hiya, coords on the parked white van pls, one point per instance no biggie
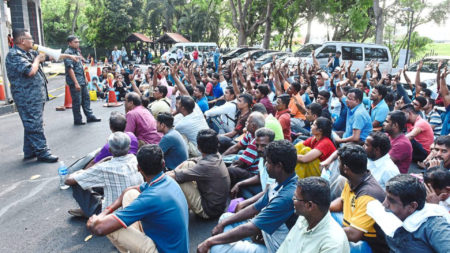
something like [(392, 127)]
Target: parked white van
[(188, 47), (360, 53)]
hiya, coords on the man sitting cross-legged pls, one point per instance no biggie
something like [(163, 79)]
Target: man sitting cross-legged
[(117, 123), (361, 188), (154, 216), (172, 143), (315, 229), (247, 164), (114, 176), (273, 214), (207, 197)]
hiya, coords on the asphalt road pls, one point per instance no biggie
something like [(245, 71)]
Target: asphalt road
[(33, 213)]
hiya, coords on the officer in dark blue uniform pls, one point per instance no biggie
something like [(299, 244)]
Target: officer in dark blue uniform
[(77, 83), (29, 91)]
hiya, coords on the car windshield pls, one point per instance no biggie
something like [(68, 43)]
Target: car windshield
[(429, 65), (259, 54), (232, 52), (268, 56), (305, 51)]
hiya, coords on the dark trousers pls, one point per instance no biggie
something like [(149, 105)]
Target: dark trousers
[(90, 201), (80, 99), (238, 174), (419, 153), (225, 143), (250, 191), (34, 141)]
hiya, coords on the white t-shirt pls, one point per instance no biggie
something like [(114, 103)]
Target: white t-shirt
[(191, 124), (227, 113)]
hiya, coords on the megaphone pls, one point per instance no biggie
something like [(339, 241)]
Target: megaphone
[(54, 53)]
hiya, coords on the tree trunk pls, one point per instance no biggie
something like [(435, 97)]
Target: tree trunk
[(242, 39), (267, 34), (308, 30), (379, 22), (75, 16)]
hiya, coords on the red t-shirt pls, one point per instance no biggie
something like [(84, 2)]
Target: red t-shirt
[(324, 145), (426, 135), (195, 55), (284, 117), (208, 89)]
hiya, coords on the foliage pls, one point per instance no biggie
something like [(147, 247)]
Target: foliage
[(58, 19), (417, 46), (110, 21), (105, 23)]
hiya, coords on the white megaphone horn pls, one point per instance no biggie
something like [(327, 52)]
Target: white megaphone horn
[(54, 53)]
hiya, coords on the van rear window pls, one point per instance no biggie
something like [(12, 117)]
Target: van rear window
[(352, 53), (377, 54)]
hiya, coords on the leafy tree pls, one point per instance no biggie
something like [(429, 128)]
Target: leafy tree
[(110, 21), (247, 17)]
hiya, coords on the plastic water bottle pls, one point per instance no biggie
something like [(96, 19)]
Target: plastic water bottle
[(62, 172)]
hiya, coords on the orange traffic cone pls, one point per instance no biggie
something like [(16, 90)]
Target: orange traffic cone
[(112, 99), (2, 91), (88, 76), (99, 71), (92, 61), (67, 100)]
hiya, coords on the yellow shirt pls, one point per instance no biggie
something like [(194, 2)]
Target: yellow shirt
[(355, 206)]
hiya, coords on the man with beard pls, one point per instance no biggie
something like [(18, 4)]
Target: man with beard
[(359, 190)]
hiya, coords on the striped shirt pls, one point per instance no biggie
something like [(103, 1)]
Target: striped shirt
[(250, 154), (114, 176), (435, 120)]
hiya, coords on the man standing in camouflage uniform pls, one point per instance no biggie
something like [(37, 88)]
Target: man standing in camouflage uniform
[(28, 88), (77, 82)]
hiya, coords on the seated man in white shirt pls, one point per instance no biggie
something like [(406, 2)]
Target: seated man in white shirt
[(380, 164), (191, 123), (222, 118), (315, 229)]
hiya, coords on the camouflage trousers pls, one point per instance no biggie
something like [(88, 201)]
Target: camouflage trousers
[(80, 99), (34, 141)]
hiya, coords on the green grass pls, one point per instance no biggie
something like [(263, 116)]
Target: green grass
[(440, 49)]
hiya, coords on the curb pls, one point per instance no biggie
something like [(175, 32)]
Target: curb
[(7, 109)]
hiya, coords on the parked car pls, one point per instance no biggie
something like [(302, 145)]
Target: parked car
[(303, 53), (267, 58), (236, 52), (428, 72), (360, 53)]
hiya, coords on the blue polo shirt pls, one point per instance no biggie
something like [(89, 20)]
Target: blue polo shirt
[(276, 212), (163, 211), (217, 91), (358, 118), (203, 103), (380, 112)]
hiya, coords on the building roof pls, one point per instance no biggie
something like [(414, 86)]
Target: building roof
[(171, 38), (134, 37)]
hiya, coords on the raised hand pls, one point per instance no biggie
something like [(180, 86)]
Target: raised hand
[(419, 68)]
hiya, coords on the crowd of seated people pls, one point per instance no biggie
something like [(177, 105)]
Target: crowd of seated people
[(289, 160)]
